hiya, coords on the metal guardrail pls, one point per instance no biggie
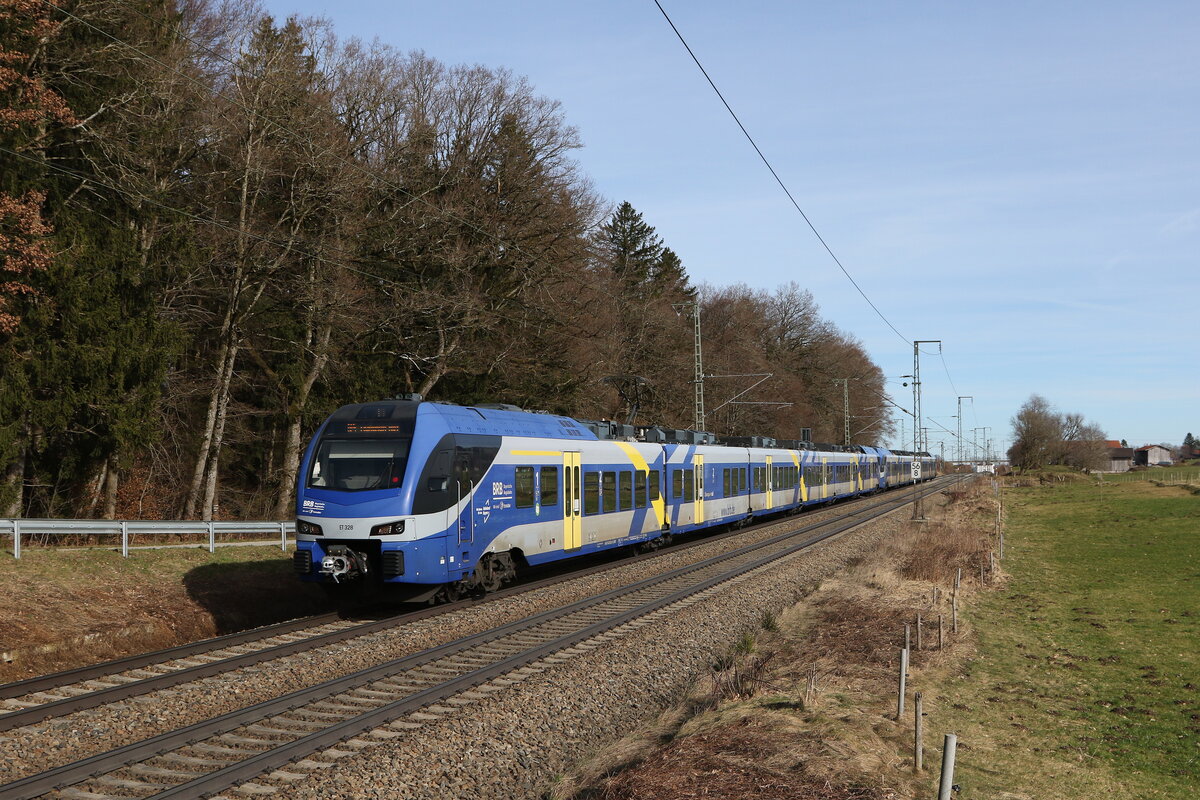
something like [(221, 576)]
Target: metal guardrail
[(126, 528)]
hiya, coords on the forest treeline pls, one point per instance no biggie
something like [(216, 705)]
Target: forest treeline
[(216, 228)]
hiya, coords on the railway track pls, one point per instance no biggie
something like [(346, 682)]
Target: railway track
[(34, 700), (231, 749)]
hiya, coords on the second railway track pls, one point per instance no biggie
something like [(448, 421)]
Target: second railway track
[(210, 756), (34, 700)]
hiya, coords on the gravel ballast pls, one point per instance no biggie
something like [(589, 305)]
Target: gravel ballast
[(513, 741), (523, 733)]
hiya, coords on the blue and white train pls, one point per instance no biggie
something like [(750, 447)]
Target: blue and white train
[(437, 500)]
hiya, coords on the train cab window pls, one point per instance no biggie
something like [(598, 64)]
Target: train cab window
[(655, 477), (639, 489), (549, 489), (524, 487), (608, 491), (626, 481), (689, 485), (677, 483), (359, 465), (591, 492)]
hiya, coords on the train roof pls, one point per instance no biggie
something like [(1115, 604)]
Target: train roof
[(398, 415)]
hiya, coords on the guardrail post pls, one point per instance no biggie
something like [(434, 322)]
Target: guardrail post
[(124, 539), (212, 537), (283, 536), (16, 538)]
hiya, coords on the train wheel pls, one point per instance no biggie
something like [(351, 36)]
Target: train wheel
[(490, 573), (449, 593)]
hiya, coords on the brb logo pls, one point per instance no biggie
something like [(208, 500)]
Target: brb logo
[(312, 506)]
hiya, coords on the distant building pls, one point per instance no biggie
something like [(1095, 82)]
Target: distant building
[(1152, 455), (1120, 459)]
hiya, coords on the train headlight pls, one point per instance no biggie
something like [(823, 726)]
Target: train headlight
[(388, 529), (308, 528)]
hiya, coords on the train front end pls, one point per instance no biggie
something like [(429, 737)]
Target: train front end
[(355, 526)]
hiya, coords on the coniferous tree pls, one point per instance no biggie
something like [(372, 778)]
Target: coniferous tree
[(650, 289), (103, 342), (29, 112), (630, 247)]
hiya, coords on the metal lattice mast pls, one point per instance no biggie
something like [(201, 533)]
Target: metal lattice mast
[(960, 438), (918, 511), (845, 382), (694, 308), (699, 379)]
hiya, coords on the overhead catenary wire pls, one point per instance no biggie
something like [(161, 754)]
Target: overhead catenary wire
[(783, 186), (775, 175)]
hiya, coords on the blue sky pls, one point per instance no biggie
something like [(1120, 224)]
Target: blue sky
[(1020, 180)]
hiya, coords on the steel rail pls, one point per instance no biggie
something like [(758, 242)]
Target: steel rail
[(330, 736), (68, 705), (67, 677), (76, 772)]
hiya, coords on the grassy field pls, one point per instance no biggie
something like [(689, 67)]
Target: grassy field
[(1087, 681)]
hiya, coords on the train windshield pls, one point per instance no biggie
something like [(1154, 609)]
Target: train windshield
[(356, 465)]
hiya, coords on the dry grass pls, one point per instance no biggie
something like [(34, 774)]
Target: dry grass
[(742, 759), (751, 730), (63, 609)]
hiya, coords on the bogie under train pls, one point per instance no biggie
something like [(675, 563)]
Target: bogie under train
[(436, 500)]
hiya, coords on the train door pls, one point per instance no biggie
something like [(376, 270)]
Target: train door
[(698, 465), (572, 508), (767, 483), (824, 478), (466, 491)]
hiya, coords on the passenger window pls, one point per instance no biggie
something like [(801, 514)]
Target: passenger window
[(725, 482), (689, 485), (639, 489), (608, 492), (524, 485), (626, 479), (677, 484), (549, 493), (655, 493), (591, 492), (742, 479)]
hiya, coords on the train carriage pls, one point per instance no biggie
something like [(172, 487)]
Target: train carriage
[(436, 499)]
